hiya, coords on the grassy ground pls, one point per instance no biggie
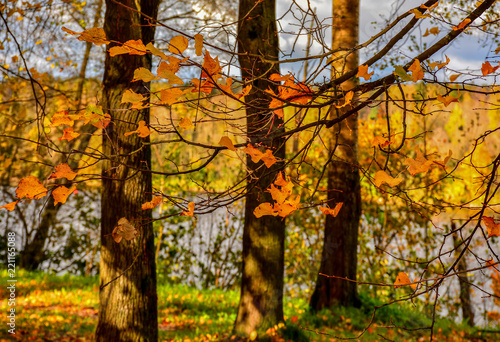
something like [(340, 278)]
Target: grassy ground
[(51, 308)]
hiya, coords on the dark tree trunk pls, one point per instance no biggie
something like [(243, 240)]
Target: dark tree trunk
[(261, 301), (128, 304), (339, 256)]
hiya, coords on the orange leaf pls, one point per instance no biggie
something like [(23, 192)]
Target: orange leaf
[(419, 164), (277, 194), (278, 78), (62, 118), (151, 48), (142, 130), (211, 67), (132, 47), (439, 65), (94, 35), (416, 71), (265, 209), (288, 207), (254, 153), (429, 7), (170, 96), (380, 141), (334, 212), (487, 69), (69, 134), (61, 194), (268, 158), (462, 25), (403, 280), (143, 74), (124, 230), (226, 142), (153, 203), (178, 44), (363, 72), (186, 123), (418, 14), (129, 96), (382, 177), (63, 171), (30, 187), (454, 77), (347, 99), (446, 100), (10, 206), (492, 228), (190, 211), (198, 44), (171, 64), (204, 87)]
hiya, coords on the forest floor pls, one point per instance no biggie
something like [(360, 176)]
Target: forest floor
[(53, 308)]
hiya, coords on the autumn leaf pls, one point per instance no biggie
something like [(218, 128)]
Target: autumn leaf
[(124, 230), (401, 73), (334, 212), (254, 153), (190, 211), (226, 142), (153, 203), (186, 123), (347, 99), (202, 86), (363, 72), (416, 71), (382, 177), (279, 195), (265, 209), (253, 335), (69, 134), (284, 205), (429, 7), (171, 95), (462, 25), (178, 44), (446, 100), (418, 14), (433, 31), (142, 130), (62, 118), (453, 78), (10, 206), (132, 47), (492, 227), (289, 206), (446, 159), (143, 74), (487, 68), (438, 64), (171, 64), (198, 44), (30, 187), (129, 96), (268, 158), (403, 280), (94, 35), (63, 171), (380, 141), (419, 164), (152, 49), (211, 67), (61, 193)]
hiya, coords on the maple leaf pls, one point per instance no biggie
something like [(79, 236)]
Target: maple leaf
[(254, 153), (433, 31), (403, 280), (142, 130), (190, 211), (69, 134), (170, 95), (132, 47), (143, 74), (277, 194), (419, 164), (152, 49), (124, 230), (382, 177), (204, 87), (439, 65), (153, 203), (289, 206), (265, 209), (178, 44), (268, 158), (198, 44), (61, 193), (462, 25), (226, 142), (334, 212), (492, 227), (347, 99), (446, 100), (487, 68), (94, 35), (416, 71), (30, 187), (63, 171), (62, 118), (186, 123), (363, 72), (10, 206), (275, 104), (380, 141), (211, 67)]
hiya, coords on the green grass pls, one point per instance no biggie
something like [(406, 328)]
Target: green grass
[(53, 308)]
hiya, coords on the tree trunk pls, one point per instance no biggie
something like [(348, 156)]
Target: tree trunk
[(128, 300), (339, 255), (261, 300)]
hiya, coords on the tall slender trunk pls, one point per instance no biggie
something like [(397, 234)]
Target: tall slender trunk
[(339, 255), (127, 298), (261, 300)]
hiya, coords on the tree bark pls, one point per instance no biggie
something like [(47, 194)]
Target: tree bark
[(339, 255), (128, 299), (261, 300)]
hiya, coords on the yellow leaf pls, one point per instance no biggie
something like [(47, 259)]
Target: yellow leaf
[(190, 211), (253, 335), (178, 44), (69, 134), (492, 227), (61, 193), (226, 142), (334, 212), (347, 99), (10, 206), (63, 171), (198, 44), (186, 123), (62, 118), (151, 48), (143, 74), (382, 177), (129, 96), (142, 130), (30, 187), (131, 47), (363, 72), (94, 35), (153, 203), (124, 230)]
